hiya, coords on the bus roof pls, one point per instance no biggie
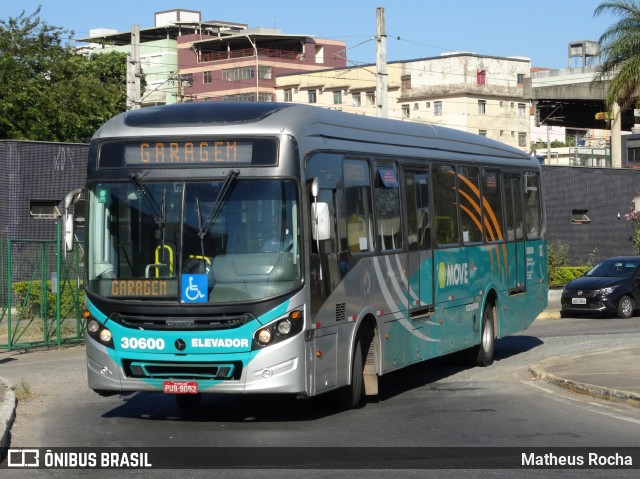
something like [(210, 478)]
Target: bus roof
[(313, 123)]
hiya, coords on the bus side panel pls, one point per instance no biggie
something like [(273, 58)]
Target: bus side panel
[(523, 308), (460, 278)]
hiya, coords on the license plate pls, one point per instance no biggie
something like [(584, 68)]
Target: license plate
[(180, 387), (578, 300)]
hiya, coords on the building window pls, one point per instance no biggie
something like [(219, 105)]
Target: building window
[(437, 108), (406, 112), (520, 78), (579, 217), (406, 82), (312, 96), (240, 73), (240, 97), (482, 132), (481, 77), (288, 94), (416, 106), (427, 104), (264, 72), (337, 97), (355, 99), (522, 139), (207, 77), (370, 98), (482, 107), (522, 110)]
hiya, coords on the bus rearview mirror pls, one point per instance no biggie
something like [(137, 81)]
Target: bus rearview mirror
[(320, 214)]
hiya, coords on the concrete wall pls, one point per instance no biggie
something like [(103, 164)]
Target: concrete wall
[(603, 192)]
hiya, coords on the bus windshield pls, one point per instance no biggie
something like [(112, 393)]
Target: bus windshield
[(200, 241)]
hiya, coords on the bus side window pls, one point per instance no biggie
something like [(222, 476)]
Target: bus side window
[(418, 221), (445, 205), (357, 194), (470, 204), (533, 218), (387, 205), (492, 194)]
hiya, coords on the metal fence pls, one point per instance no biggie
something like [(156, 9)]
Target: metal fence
[(41, 293)]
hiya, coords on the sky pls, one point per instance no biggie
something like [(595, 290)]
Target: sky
[(539, 30)]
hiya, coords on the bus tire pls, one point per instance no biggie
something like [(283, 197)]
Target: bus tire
[(485, 349), (482, 354), (350, 396), (188, 401)]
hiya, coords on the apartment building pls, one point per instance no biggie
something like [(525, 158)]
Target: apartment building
[(465, 91), (184, 58), (158, 49), (243, 65)]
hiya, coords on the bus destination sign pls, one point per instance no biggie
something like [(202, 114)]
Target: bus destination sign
[(181, 152)]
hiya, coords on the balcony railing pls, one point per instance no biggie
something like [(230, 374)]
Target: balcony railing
[(250, 52)]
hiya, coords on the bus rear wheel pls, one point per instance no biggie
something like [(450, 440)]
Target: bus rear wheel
[(482, 354)]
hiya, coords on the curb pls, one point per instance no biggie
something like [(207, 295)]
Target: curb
[(586, 388), (7, 415)]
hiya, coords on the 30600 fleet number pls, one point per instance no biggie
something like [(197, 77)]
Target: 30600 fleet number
[(142, 343)]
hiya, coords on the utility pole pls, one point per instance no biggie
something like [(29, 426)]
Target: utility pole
[(382, 79), (133, 71)]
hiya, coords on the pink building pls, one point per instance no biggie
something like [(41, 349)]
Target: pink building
[(242, 63)]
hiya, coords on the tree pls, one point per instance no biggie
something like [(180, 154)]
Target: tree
[(48, 92), (620, 52)]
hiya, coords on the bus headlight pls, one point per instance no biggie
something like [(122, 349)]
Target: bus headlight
[(284, 327), (278, 330), (105, 335), (93, 326), (98, 331), (264, 336)]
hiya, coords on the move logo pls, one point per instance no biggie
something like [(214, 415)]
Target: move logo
[(453, 274)]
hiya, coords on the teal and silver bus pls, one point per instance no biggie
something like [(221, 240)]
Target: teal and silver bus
[(281, 248)]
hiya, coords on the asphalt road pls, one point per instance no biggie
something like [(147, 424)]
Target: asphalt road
[(434, 404)]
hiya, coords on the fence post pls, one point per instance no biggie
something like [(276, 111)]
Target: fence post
[(58, 282), (9, 337)]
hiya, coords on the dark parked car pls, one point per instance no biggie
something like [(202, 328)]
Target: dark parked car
[(612, 286)]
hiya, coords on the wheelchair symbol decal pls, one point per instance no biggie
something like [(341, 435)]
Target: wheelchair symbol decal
[(194, 288)]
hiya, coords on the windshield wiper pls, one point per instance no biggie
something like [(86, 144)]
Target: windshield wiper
[(216, 209), (159, 213)]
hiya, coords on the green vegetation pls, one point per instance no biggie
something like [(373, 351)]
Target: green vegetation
[(23, 390), (558, 264), (620, 53), (49, 92), (32, 299)]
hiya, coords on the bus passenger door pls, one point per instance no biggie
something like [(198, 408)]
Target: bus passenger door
[(515, 234), (420, 263)]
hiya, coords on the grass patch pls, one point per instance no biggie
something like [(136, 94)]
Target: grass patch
[(23, 390)]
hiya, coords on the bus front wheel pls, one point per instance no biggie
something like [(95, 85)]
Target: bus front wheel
[(350, 396)]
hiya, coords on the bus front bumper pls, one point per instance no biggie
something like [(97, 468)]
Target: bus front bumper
[(275, 369)]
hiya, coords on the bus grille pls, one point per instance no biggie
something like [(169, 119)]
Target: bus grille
[(202, 323), (183, 371)]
